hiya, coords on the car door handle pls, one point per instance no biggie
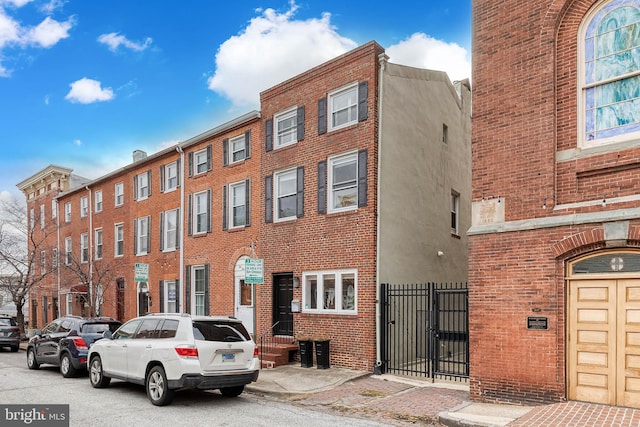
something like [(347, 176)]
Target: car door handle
[(149, 346)]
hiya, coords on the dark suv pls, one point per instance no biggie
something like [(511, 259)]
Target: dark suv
[(65, 342), (9, 333)]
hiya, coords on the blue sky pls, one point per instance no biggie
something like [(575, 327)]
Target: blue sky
[(83, 83)]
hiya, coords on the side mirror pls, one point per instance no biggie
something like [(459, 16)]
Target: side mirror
[(37, 333), (107, 334)]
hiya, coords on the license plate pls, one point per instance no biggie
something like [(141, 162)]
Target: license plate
[(228, 357)]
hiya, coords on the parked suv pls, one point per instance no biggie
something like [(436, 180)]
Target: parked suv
[(65, 342), (9, 333), (171, 352)]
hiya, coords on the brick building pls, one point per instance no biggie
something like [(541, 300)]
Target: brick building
[(353, 172), (554, 278)]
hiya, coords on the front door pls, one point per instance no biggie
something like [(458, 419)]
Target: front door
[(244, 297), (282, 297), (604, 341)]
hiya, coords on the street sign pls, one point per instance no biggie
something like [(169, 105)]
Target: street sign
[(141, 272), (254, 270)]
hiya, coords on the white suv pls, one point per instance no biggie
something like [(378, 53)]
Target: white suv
[(170, 352)]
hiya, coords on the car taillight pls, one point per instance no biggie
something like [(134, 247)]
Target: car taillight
[(255, 351), (80, 343), (187, 351)]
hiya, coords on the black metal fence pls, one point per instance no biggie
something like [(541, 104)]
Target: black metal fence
[(425, 330)]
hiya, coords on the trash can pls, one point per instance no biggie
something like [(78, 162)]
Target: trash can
[(306, 353), (322, 354)]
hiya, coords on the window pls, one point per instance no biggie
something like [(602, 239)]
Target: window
[(445, 133), (98, 201), (610, 75), (238, 205), (67, 250), (199, 218), (98, 243), (285, 128), (119, 193), (69, 303), (169, 178), (42, 217), (285, 195), (237, 149), (343, 107), (200, 289), (200, 161), (169, 230), (343, 183), (84, 206), (142, 236), (54, 258), (54, 209), (455, 208), (32, 219), (170, 294), (119, 240), (330, 291), (142, 186), (84, 247), (43, 262)]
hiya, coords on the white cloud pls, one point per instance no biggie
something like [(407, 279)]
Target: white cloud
[(272, 48), (48, 32), (9, 29), (87, 91), (423, 51), (114, 40), (51, 6), (15, 3), (77, 142)]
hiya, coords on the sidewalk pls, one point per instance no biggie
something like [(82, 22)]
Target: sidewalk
[(397, 400)]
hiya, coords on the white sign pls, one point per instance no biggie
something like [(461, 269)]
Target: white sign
[(141, 272), (253, 270)]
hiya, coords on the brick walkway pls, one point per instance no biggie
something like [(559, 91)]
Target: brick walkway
[(579, 414)]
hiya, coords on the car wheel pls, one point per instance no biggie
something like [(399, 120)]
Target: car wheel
[(32, 363), (232, 391), (66, 367), (157, 387), (96, 375), (15, 348)]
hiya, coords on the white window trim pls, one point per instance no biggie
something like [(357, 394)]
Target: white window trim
[(118, 191), (67, 212), (330, 110), (350, 156), (43, 262), (284, 115), (455, 210), (99, 243), (139, 227), (143, 178), (67, 250), (194, 219), (42, 213), (276, 186), (69, 306), (166, 230), (230, 215), (196, 155), (166, 297), (338, 274), (115, 238), (98, 201), (54, 209), (242, 141), (167, 178), (194, 293), (84, 206), (84, 247), (54, 258)]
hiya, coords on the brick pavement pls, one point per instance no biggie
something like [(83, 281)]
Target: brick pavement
[(389, 402), (579, 414)]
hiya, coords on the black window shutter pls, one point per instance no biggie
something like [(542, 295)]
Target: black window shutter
[(206, 289), (135, 187), (178, 173), (161, 287), (187, 290), (247, 144), (209, 165), (362, 178), (135, 236), (322, 186), (268, 135), (149, 182), (190, 164), (300, 123), (225, 152), (224, 207), (268, 204), (300, 192), (178, 296), (363, 93), (190, 216), (247, 202), (209, 211), (162, 178), (322, 116), (178, 228), (149, 234), (161, 231)]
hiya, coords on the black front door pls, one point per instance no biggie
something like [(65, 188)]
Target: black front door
[(282, 296)]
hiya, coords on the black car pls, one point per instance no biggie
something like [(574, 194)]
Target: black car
[(65, 342), (9, 333)]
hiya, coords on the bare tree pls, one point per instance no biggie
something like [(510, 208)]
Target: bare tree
[(24, 238)]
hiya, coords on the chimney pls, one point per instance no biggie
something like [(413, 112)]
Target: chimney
[(139, 155)]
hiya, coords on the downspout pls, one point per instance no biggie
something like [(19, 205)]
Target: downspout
[(90, 249), (58, 254), (181, 222), (382, 60)]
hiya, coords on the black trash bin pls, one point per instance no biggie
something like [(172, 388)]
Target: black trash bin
[(322, 354), (306, 353)]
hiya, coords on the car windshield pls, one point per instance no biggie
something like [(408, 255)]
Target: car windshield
[(220, 331), (98, 328), (6, 322)]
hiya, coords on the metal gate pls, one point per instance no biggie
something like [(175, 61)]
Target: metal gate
[(425, 330)]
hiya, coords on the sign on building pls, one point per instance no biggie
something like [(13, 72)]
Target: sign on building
[(254, 270), (141, 272)]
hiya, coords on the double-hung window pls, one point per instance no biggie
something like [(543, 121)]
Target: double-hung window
[(169, 229), (54, 208), (142, 236), (343, 107), (84, 247), (142, 186), (32, 219), (285, 128), (200, 161), (455, 209), (119, 239), (330, 291), (170, 296), (67, 250), (98, 243), (42, 217), (343, 182), (119, 194), (200, 285), (610, 73), (98, 200), (69, 303), (170, 176), (54, 258), (285, 195), (43, 262), (237, 147), (200, 215), (84, 206), (67, 212)]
